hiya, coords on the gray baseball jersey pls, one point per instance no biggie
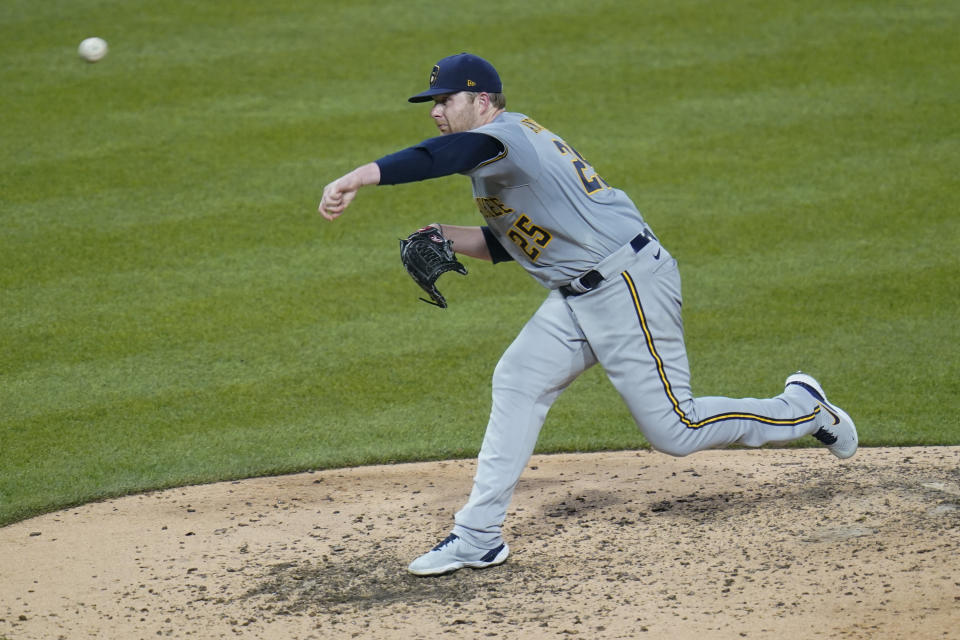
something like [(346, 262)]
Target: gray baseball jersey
[(546, 204)]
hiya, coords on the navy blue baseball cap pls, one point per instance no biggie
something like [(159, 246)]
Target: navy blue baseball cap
[(462, 72)]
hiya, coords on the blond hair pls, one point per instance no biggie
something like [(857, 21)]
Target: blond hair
[(498, 100)]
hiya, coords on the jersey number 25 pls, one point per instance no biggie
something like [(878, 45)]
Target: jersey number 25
[(592, 183), (529, 237)]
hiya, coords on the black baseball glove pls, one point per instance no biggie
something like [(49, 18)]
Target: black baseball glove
[(427, 255)]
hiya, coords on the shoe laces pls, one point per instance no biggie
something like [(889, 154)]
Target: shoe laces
[(825, 436), (449, 539)]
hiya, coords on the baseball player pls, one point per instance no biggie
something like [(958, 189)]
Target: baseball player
[(614, 299)]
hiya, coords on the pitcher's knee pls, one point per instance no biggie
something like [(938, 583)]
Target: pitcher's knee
[(674, 442), (507, 375), (675, 449)]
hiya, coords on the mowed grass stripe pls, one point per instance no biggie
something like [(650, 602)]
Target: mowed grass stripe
[(175, 311)]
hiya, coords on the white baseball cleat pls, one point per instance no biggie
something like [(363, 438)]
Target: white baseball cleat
[(454, 553), (839, 434)]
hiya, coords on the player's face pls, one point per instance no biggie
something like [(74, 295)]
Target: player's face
[(455, 112)]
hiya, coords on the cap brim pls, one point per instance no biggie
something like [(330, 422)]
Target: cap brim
[(427, 95)]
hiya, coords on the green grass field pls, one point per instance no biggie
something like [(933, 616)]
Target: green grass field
[(174, 311)]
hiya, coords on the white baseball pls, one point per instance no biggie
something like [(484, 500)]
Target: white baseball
[(92, 49)]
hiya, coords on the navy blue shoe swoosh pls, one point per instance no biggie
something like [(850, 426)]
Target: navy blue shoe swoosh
[(491, 556), (829, 409)]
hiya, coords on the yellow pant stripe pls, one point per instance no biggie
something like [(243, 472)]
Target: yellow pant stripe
[(661, 372)]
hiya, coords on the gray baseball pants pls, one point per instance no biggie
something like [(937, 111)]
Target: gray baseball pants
[(631, 325)]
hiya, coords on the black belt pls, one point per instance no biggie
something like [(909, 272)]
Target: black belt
[(592, 279)]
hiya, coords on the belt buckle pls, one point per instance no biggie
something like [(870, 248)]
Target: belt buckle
[(589, 281)]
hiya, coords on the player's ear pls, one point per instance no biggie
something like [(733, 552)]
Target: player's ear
[(486, 103)]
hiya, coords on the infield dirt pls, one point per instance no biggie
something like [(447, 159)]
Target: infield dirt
[(772, 543)]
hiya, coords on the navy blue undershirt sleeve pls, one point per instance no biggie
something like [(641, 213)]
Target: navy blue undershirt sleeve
[(437, 157), (497, 252)]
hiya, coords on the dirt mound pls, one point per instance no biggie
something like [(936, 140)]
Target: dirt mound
[(722, 544)]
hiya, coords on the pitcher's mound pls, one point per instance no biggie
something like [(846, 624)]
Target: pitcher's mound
[(772, 543)]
